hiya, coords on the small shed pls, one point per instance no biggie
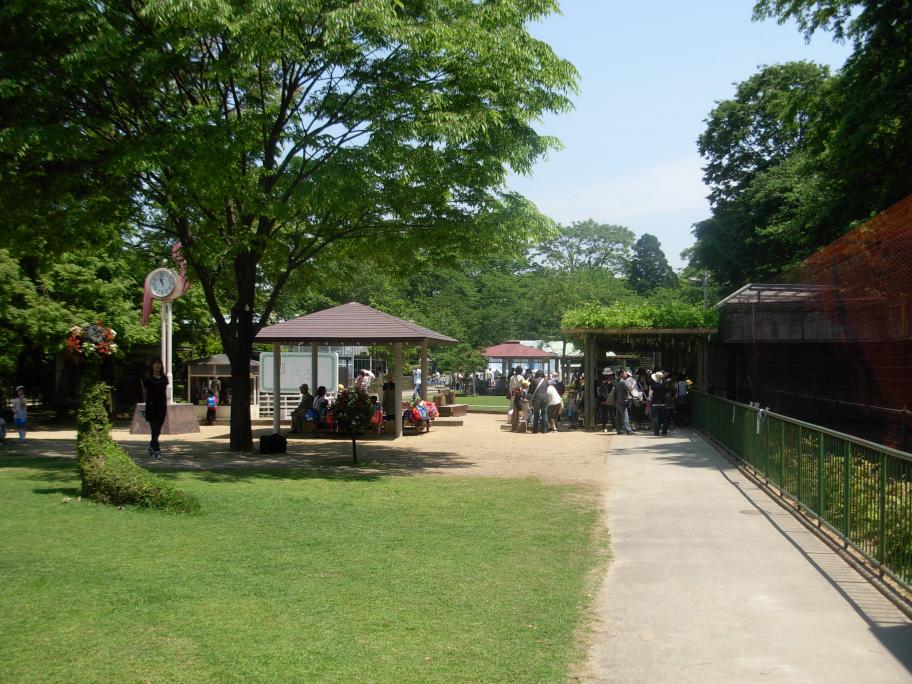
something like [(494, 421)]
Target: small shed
[(215, 371)]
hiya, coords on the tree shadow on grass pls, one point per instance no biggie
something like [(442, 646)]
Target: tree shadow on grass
[(51, 468), (323, 463), (65, 491), (211, 461)]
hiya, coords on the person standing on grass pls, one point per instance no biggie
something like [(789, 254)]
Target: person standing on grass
[(20, 413), (155, 397)]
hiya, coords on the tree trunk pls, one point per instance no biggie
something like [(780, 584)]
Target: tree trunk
[(239, 346), (241, 430)]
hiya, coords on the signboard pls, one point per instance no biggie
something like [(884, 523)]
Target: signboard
[(295, 370)]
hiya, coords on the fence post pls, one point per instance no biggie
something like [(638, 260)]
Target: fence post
[(820, 459), (798, 469), (781, 457), (847, 499), (882, 532)]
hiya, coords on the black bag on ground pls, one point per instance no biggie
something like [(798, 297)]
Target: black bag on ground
[(273, 444)]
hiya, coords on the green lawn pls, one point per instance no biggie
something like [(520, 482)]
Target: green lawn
[(295, 575), (486, 401)]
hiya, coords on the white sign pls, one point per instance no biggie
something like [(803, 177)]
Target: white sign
[(295, 371)]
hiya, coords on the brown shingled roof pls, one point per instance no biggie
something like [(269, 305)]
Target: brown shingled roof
[(512, 349), (349, 324)]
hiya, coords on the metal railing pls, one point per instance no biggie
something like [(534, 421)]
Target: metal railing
[(859, 490)]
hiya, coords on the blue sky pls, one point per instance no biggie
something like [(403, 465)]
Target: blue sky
[(650, 72)]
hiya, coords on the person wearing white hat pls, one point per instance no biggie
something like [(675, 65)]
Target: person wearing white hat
[(658, 392)]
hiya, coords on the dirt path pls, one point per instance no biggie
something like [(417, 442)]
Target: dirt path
[(478, 448)]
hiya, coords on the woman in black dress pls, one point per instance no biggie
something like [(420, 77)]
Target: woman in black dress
[(155, 396)]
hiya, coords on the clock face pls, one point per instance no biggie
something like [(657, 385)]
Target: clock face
[(162, 282)]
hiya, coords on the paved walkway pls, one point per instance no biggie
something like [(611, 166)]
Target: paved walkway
[(712, 581)]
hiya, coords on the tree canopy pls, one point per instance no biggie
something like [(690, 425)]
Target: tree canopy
[(587, 245), (800, 156), (262, 133), (648, 268)]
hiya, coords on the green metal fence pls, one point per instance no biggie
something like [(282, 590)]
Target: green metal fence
[(860, 490)]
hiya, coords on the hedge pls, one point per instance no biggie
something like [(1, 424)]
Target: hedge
[(108, 473)]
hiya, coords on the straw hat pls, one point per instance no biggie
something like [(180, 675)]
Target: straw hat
[(658, 376)]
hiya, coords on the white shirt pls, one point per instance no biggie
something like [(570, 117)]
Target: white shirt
[(416, 376), (553, 397)]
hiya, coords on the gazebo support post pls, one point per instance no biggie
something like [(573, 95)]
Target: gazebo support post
[(589, 399), (314, 354), (424, 369), (397, 380), (276, 386)]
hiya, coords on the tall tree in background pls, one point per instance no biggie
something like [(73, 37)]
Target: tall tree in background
[(649, 269), (869, 148), (764, 173), (261, 133), (587, 245)]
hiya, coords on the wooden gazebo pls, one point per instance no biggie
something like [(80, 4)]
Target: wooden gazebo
[(350, 324), (512, 352)]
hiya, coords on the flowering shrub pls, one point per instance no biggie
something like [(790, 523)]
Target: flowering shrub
[(352, 411), (95, 340)]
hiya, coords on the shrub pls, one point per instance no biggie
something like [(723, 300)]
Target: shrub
[(108, 474), (624, 315)]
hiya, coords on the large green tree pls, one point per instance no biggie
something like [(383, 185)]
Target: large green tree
[(649, 269), (765, 173), (868, 150), (260, 133), (587, 245)]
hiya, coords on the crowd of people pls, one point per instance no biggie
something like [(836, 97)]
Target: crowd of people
[(625, 402), (630, 402), (544, 396)]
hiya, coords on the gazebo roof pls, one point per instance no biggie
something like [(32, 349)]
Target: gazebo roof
[(512, 349), (350, 324)]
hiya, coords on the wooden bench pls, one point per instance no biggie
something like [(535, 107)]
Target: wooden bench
[(417, 426)]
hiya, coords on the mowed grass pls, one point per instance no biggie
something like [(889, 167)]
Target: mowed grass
[(485, 401), (295, 576)]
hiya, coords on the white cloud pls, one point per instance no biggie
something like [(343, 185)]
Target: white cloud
[(668, 187)]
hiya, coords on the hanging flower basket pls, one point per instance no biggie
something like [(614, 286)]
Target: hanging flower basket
[(91, 341)]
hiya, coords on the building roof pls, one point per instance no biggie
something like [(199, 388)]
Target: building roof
[(513, 349), (350, 324), (217, 364), (767, 293)]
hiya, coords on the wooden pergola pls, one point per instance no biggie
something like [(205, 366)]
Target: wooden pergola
[(350, 324), (630, 339)]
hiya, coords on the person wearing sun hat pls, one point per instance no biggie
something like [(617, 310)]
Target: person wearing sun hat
[(658, 393)]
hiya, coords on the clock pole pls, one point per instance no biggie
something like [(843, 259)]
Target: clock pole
[(166, 348)]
